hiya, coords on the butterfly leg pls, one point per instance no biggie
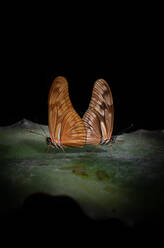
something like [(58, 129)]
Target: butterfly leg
[(48, 148), (61, 148), (110, 146), (56, 145), (110, 142)]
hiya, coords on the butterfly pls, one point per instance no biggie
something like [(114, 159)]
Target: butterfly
[(66, 128), (99, 118)]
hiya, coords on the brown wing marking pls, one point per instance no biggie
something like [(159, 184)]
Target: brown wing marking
[(65, 125), (99, 118)]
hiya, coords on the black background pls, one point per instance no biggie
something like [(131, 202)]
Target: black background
[(122, 44), (123, 48)]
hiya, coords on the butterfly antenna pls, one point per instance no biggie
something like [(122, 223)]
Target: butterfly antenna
[(114, 137), (33, 131), (126, 129), (43, 131)]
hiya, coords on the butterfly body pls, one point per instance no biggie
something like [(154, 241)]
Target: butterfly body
[(99, 118), (65, 125)]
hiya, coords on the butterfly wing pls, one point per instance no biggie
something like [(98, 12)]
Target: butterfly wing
[(65, 125), (99, 117)]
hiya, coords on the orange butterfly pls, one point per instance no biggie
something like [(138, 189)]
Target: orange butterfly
[(99, 117), (66, 128)]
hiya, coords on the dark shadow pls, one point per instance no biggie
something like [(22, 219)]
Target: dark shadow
[(58, 214), (61, 218)]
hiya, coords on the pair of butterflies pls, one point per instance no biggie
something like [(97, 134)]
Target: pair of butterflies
[(67, 129)]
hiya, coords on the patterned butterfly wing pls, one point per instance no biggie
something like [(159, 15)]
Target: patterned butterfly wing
[(99, 117), (65, 125)]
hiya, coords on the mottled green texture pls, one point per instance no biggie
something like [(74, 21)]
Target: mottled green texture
[(125, 181)]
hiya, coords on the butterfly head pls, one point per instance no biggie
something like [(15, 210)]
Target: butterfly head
[(48, 141)]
